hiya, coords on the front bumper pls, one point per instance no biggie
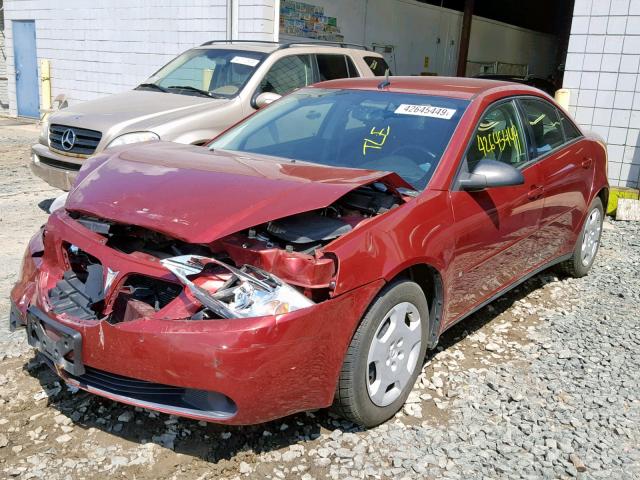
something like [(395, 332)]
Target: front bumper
[(251, 370), (57, 170)]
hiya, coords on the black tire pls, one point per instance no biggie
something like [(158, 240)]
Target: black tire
[(352, 400), (575, 267)]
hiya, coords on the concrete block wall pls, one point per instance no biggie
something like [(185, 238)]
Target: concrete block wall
[(602, 70), (106, 46)]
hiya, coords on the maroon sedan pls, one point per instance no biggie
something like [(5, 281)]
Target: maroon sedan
[(311, 254)]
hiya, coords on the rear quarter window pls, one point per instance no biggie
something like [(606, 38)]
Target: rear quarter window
[(377, 65), (570, 130)]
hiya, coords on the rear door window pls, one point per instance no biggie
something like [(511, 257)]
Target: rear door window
[(377, 65), (351, 68), (287, 74), (544, 124), (332, 67)]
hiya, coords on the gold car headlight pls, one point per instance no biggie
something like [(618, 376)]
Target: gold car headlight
[(133, 137)]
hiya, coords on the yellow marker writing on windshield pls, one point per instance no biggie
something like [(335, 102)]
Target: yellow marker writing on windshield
[(379, 142)]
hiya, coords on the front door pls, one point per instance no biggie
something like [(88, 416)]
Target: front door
[(495, 227), (26, 64)]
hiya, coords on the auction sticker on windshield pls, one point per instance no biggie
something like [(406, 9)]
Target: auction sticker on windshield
[(249, 62), (425, 111)]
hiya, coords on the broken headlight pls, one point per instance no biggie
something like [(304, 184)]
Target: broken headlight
[(248, 292), (58, 202)]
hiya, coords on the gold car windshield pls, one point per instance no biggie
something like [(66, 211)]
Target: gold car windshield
[(217, 73)]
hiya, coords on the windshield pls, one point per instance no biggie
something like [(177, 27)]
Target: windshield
[(402, 133), (211, 72)]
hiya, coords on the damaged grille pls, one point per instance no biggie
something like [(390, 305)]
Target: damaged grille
[(157, 293), (76, 297), (142, 296), (81, 291)]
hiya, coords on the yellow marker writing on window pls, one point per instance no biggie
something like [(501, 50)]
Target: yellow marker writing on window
[(499, 139), (377, 143)]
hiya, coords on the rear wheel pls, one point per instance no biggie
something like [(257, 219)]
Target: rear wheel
[(385, 355), (587, 244)]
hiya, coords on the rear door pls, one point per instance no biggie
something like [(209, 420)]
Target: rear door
[(567, 168), (494, 228), (333, 66)]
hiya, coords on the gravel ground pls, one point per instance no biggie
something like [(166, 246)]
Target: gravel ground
[(542, 383)]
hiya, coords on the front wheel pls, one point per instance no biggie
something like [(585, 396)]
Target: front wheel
[(587, 244), (385, 355)]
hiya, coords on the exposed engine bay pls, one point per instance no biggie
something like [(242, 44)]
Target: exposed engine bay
[(272, 268)]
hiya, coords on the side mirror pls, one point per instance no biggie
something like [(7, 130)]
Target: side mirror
[(265, 98), (489, 174)]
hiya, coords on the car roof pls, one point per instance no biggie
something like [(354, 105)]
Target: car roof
[(253, 47), (453, 87), (270, 47)]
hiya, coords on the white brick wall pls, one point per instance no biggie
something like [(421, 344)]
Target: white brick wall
[(256, 19), (602, 69), (4, 93), (100, 47)]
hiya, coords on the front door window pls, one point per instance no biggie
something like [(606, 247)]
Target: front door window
[(287, 74), (498, 137)]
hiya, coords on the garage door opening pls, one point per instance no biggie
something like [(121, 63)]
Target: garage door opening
[(526, 39)]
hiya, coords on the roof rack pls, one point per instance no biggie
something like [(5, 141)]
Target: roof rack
[(283, 45), (212, 42), (324, 42)]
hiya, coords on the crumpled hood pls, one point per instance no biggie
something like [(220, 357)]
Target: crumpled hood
[(198, 196), (132, 110)]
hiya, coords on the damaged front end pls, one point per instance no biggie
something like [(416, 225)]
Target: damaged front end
[(213, 324), (269, 269)]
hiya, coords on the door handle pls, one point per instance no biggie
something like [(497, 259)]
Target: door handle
[(535, 192), (587, 162)]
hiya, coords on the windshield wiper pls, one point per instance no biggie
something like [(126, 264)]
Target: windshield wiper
[(206, 93), (153, 86)]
